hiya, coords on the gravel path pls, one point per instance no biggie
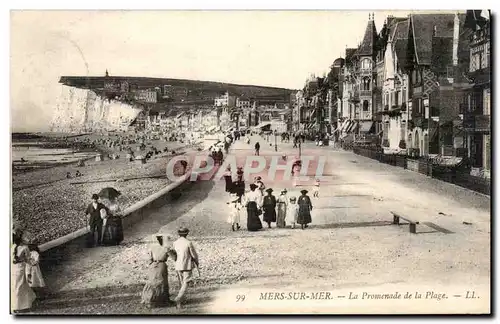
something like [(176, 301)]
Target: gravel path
[(351, 244)]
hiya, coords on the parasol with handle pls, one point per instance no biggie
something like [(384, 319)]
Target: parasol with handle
[(109, 193)]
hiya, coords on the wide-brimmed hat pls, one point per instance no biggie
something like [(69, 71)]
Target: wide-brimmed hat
[(304, 191), (283, 190), (183, 230), (258, 178), (293, 198), (269, 190), (253, 186)]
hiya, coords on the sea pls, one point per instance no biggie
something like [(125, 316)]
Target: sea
[(38, 154)]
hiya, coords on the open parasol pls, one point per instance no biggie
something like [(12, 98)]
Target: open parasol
[(109, 193)]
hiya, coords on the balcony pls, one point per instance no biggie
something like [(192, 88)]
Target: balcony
[(434, 111), (366, 71), (477, 123), (365, 93), (354, 97)]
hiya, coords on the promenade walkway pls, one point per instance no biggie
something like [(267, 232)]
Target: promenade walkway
[(350, 245)]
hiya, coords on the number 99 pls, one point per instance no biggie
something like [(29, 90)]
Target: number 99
[(240, 298)]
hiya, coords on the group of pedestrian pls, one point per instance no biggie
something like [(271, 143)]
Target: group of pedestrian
[(156, 292), (285, 137), (282, 210), (105, 223), (26, 277)]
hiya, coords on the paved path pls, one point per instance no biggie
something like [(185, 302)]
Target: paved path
[(350, 245)]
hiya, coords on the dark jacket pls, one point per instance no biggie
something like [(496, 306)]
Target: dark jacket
[(95, 214)]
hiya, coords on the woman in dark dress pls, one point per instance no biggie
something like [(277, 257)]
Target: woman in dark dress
[(113, 228), (269, 207), (252, 202), (228, 177), (305, 208)]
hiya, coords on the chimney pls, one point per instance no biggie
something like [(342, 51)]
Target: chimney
[(456, 33)]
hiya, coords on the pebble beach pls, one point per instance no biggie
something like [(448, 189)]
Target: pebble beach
[(48, 205)]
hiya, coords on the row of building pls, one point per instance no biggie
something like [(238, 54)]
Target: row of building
[(421, 84)]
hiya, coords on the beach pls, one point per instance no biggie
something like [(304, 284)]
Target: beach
[(49, 205)]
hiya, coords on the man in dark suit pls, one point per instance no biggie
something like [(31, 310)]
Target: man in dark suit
[(95, 220)]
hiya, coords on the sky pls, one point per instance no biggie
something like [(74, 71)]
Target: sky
[(269, 48)]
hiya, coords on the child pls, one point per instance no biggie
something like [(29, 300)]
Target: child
[(33, 273), (292, 211), (316, 189), (234, 211)]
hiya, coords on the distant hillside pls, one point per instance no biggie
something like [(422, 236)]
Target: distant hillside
[(196, 90)]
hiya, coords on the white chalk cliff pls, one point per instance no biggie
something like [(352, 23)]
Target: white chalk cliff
[(80, 110)]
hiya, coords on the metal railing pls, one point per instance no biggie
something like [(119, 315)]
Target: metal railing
[(458, 175)]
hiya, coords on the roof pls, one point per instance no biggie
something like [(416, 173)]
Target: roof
[(366, 47), (339, 62), (423, 29), (442, 54), (349, 53), (476, 18), (400, 41)]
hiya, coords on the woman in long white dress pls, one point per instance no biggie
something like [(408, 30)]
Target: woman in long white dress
[(234, 211), (22, 295), (33, 272)]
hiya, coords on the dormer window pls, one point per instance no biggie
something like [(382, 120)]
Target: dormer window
[(366, 64)]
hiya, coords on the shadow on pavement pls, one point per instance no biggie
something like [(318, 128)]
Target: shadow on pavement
[(352, 225)]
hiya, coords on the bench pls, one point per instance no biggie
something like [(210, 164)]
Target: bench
[(413, 224)]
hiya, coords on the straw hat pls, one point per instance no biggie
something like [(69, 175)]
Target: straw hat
[(269, 190), (284, 191), (304, 192), (183, 230)]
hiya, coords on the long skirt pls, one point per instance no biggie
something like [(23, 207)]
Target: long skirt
[(269, 214), (34, 276), (304, 217), (155, 292), (113, 231), (253, 221), (229, 183), (280, 219), (22, 295)]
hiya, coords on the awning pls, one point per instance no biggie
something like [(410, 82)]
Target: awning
[(261, 125), (346, 125), (354, 127), (365, 126), (350, 126)]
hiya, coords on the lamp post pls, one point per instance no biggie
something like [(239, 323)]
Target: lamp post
[(275, 142)]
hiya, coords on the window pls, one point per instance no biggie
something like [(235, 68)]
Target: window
[(396, 101), (365, 105), (366, 83), (486, 102), (365, 64)]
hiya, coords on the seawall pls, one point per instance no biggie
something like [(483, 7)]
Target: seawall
[(57, 250)]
